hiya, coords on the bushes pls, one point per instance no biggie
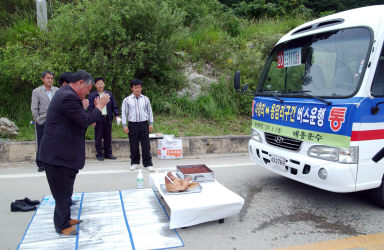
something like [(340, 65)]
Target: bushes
[(258, 9), (120, 39), (11, 10), (196, 10), (114, 39), (19, 74), (217, 102), (246, 52), (117, 40)]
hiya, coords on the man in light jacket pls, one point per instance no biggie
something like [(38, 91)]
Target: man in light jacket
[(41, 98)]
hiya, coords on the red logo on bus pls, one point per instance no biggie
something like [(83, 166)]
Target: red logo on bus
[(280, 60), (337, 118)]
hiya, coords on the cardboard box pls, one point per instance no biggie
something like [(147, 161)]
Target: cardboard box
[(169, 148)]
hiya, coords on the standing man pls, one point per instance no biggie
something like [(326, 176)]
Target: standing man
[(63, 144), (41, 98), (137, 109), (65, 79), (103, 128)]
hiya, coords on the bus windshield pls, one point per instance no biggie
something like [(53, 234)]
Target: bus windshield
[(327, 65)]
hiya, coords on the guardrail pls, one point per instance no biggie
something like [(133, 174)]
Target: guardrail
[(25, 150)]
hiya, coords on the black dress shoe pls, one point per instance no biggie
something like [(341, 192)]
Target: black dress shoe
[(21, 206), (100, 158), (111, 157), (29, 202), (40, 169)]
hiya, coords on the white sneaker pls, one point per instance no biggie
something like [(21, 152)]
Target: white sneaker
[(150, 169), (134, 166)]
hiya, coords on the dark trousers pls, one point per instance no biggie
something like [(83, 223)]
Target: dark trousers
[(39, 134), (61, 180), (103, 130), (139, 132)]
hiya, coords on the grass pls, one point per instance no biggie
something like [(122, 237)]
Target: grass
[(167, 124), (191, 126)]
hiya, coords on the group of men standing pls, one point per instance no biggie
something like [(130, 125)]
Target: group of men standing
[(62, 117)]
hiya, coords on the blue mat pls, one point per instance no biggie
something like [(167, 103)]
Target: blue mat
[(126, 219)]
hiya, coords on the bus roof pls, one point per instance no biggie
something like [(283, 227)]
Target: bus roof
[(370, 16)]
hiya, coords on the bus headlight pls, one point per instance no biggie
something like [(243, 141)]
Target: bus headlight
[(255, 135), (341, 155)]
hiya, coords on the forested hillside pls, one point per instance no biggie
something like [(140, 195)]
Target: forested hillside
[(154, 40)]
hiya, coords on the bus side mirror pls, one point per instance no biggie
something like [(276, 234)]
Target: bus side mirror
[(375, 110), (236, 84), (236, 80)]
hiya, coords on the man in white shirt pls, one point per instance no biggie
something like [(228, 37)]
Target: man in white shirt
[(137, 110), (41, 98)]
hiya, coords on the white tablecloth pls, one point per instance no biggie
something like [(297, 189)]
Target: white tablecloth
[(214, 202)]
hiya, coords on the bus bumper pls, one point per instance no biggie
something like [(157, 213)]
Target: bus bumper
[(294, 165)]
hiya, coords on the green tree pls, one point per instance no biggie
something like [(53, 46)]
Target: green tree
[(110, 38)]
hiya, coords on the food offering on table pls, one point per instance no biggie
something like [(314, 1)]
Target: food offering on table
[(198, 173), (175, 184)]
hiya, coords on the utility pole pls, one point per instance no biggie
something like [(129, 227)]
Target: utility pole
[(41, 13)]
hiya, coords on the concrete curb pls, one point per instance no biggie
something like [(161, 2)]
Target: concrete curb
[(25, 150)]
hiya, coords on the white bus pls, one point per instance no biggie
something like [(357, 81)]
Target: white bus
[(318, 111)]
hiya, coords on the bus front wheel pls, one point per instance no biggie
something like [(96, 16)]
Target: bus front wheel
[(378, 194)]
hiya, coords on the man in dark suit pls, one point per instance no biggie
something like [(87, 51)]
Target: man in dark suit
[(63, 144), (103, 127), (65, 79)]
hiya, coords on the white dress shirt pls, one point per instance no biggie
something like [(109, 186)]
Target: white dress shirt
[(135, 109)]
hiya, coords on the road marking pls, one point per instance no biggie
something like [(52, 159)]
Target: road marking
[(363, 242), (97, 172), (233, 165)]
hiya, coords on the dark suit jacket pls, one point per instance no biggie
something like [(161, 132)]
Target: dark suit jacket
[(63, 141), (111, 106)]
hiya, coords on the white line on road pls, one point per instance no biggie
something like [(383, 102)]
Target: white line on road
[(96, 172)]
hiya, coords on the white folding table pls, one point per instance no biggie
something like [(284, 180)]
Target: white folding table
[(214, 202)]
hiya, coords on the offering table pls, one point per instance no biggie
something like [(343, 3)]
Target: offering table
[(214, 202)]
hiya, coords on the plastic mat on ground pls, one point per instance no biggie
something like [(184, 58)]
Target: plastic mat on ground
[(127, 219)]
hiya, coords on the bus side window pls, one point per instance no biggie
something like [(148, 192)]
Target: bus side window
[(378, 80)]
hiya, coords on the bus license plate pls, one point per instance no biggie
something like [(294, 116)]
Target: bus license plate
[(278, 162)]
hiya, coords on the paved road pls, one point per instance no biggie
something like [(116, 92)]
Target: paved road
[(277, 213)]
